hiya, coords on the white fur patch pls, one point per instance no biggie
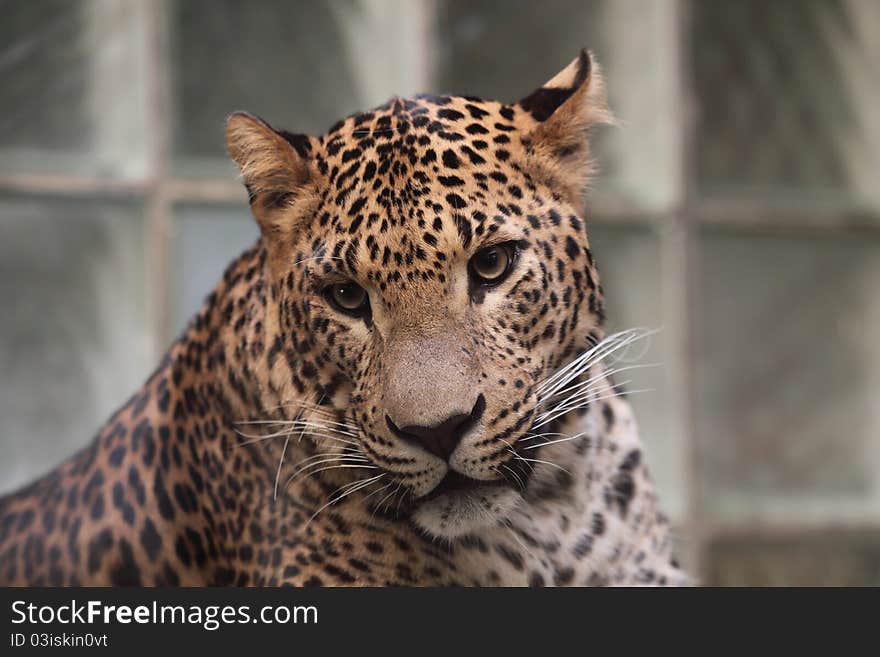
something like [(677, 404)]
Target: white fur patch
[(455, 514)]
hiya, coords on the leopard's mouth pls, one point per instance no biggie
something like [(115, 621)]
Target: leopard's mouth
[(464, 508), (460, 505), (455, 484)]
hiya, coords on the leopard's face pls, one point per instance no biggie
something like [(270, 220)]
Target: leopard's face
[(431, 268)]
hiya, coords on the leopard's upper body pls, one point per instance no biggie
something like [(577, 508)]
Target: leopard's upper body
[(373, 394)]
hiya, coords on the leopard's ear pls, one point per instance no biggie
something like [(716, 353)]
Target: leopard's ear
[(275, 166), (565, 109)]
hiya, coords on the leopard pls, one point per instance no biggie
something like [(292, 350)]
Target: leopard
[(405, 381)]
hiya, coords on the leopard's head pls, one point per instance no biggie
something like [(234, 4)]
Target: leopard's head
[(429, 268)]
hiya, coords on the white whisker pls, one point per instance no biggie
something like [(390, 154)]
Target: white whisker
[(389, 495), (328, 467), (560, 440), (550, 463), (327, 426), (349, 488), (516, 476), (505, 522), (280, 463), (595, 380), (317, 257), (312, 434), (586, 403), (532, 436), (604, 349)]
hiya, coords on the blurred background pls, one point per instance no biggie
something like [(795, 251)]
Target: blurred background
[(737, 209)]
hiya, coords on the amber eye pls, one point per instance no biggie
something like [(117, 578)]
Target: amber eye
[(492, 264), (349, 298)]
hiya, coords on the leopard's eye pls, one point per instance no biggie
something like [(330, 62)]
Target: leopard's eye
[(349, 298), (492, 264)]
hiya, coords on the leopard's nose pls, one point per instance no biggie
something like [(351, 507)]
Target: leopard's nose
[(441, 439)]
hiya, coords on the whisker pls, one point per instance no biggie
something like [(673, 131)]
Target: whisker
[(506, 523), (280, 463), (604, 349), (377, 506), (301, 423), (591, 355), (256, 439), (515, 475), (597, 379), (563, 406), (394, 494), (585, 403), (532, 436), (550, 463), (330, 456), (400, 500), (324, 469), (312, 434), (560, 440), (289, 426), (329, 412), (311, 407), (389, 495), (343, 451), (349, 489), (318, 257)]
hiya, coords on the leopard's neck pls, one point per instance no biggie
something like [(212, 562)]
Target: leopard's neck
[(238, 367)]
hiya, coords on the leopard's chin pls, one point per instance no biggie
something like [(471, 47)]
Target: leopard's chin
[(451, 514)]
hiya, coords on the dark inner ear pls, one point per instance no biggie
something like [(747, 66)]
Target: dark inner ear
[(280, 198), (275, 168), (542, 102), (299, 142)]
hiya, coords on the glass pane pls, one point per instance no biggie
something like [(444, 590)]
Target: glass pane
[(842, 559), (630, 263), (300, 66), (788, 96), (204, 241), (506, 59), (74, 343), (73, 88), (788, 373)]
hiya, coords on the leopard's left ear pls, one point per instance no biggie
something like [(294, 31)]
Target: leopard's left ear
[(276, 168), (565, 109)]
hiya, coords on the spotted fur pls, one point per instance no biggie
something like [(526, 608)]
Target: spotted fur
[(270, 448)]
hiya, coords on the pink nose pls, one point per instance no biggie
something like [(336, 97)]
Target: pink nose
[(441, 439)]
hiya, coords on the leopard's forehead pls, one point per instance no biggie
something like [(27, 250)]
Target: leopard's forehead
[(416, 181), (455, 140), (424, 119), (429, 166)]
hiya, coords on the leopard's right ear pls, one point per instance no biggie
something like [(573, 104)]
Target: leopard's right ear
[(565, 110), (276, 167)]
